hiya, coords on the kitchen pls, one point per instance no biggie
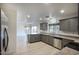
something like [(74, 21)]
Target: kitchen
[(54, 25)]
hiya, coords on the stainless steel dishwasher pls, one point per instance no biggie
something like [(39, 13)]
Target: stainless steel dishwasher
[(57, 43)]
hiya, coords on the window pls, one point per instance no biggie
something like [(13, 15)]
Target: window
[(54, 25), (31, 29), (34, 29), (28, 30), (54, 28), (50, 28)]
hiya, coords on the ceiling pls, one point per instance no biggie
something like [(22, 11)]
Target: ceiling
[(40, 10)]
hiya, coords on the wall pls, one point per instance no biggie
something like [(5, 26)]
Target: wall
[(10, 12), (0, 30)]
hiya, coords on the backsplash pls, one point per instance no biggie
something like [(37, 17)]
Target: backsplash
[(68, 33), (61, 33)]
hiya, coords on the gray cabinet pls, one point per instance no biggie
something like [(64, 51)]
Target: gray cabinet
[(43, 26), (50, 40), (33, 38), (74, 25), (44, 38), (69, 25), (64, 25), (47, 39)]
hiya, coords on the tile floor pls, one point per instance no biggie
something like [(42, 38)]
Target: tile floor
[(38, 48)]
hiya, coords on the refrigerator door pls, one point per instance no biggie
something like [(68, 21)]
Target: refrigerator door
[(5, 40)]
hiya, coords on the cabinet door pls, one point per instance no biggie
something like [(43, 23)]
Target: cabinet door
[(50, 40), (43, 26), (69, 25), (46, 39), (37, 37), (64, 25), (30, 38), (43, 38), (74, 25), (33, 38)]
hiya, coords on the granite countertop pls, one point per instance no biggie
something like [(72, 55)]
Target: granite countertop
[(64, 36), (61, 36)]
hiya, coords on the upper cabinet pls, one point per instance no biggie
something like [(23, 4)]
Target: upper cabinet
[(69, 25), (64, 25), (74, 25), (43, 26)]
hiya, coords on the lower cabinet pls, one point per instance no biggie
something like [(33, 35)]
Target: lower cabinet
[(56, 42), (44, 38), (33, 38), (50, 40), (53, 41), (47, 39)]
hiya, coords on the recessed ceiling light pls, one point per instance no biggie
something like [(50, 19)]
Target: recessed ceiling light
[(40, 18), (61, 11), (28, 16)]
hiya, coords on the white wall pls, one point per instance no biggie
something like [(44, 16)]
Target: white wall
[(10, 12), (22, 21)]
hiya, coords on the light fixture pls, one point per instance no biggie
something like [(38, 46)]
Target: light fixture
[(28, 16), (62, 11), (40, 18)]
